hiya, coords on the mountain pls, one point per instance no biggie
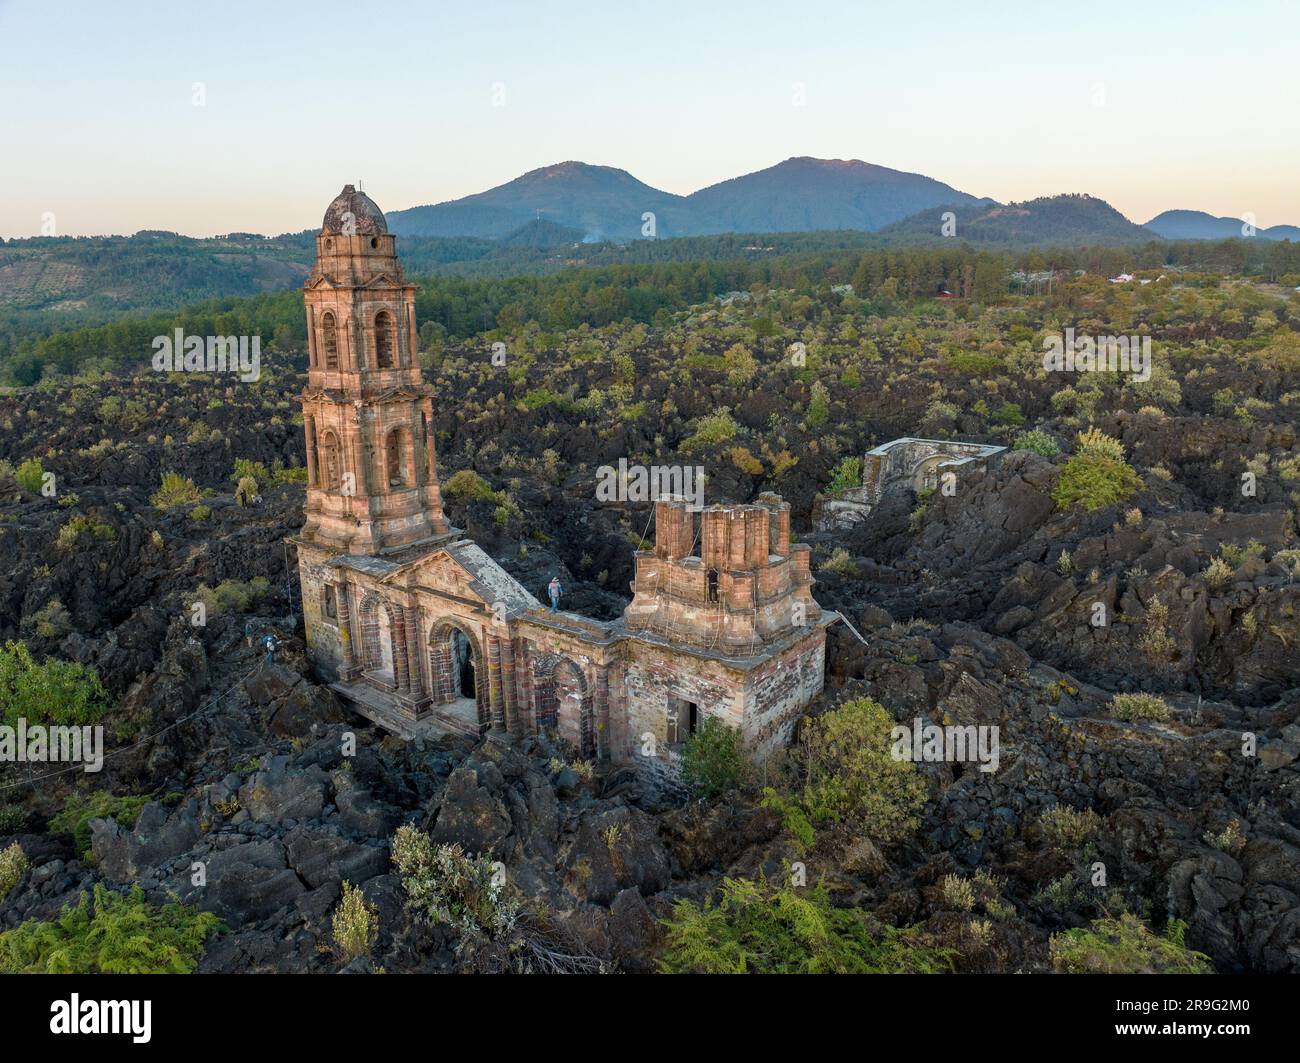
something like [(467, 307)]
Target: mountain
[(1067, 220), (798, 195), (803, 194), (1197, 225), (601, 201)]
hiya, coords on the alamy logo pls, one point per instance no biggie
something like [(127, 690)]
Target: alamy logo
[(38, 744), (930, 743), (648, 483), (75, 1015), (1069, 353), (208, 354)]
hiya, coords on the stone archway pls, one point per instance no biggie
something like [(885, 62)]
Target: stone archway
[(458, 668), (382, 638), (563, 702), (925, 474)]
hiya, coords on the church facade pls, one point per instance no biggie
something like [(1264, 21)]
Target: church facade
[(419, 629)]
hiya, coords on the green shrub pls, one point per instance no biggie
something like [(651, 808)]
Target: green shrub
[(1068, 830), (1039, 442), (176, 490), (199, 513), (714, 761), (52, 692), (468, 486), (849, 779), (113, 934), (1138, 707), (83, 527), (79, 809), (356, 923), (1124, 945), (30, 476), (447, 886), (229, 597), (13, 866), (1093, 482), (711, 429), (757, 928), (848, 475)]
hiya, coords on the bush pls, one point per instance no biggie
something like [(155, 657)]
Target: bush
[(757, 928), (176, 490), (356, 923), (711, 429), (468, 486), (841, 563), (53, 692), (229, 596), (447, 886), (80, 527), (714, 761), (13, 866), (1138, 707), (30, 476), (79, 810), (1068, 830), (114, 934), (1124, 945), (1093, 482), (849, 778), (848, 475)]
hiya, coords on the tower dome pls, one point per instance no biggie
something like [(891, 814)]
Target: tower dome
[(357, 208)]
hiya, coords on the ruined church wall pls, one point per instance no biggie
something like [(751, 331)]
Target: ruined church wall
[(777, 693), (652, 675), (324, 636)]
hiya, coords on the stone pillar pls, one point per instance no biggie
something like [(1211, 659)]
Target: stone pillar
[(496, 702), (312, 353), (342, 594), (413, 656), (401, 662), (602, 715), (310, 426), (509, 689)]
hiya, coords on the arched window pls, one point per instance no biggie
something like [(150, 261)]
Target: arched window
[(383, 340), (395, 458), (330, 338), (331, 473)]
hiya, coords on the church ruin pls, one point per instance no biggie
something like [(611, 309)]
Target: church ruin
[(416, 627), (906, 463)]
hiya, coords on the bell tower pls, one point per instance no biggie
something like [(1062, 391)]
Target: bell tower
[(372, 476)]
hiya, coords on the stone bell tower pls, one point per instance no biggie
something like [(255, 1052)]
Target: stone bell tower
[(372, 478)]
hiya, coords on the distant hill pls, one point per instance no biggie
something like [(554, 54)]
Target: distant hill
[(601, 201), (1066, 220), (1197, 225), (805, 194), (798, 195), (541, 234)]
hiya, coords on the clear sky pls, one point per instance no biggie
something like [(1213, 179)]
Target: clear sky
[(1150, 104)]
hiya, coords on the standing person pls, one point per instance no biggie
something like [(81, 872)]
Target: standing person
[(554, 590), (249, 630), (271, 644)]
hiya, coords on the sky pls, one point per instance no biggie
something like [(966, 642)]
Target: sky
[(207, 118)]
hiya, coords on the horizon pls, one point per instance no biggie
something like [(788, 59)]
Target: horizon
[(207, 124)]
